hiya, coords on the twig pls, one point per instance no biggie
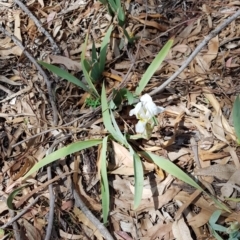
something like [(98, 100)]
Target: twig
[(20, 214), (16, 229), (102, 229), (51, 205), (30, 57), (196, 51), (55, 47), (195, 151), (51, 193), (79, 203)]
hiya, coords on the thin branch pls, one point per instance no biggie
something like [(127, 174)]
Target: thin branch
[(102, 229), (20, 214), (16, 229), (51, 193), (56, 49), (51, 205), (196, 51), (79, 203), (30, 57)]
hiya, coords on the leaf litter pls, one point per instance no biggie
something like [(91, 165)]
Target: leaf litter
[(197, 105)]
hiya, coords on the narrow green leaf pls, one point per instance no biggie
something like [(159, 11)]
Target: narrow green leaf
[(121, 16), (171, 168), (85, 70), (94, 52), (121, 138), (87, 65), (13, 194), (130, 97), (103, 51), (113, 5), (63, 152), (138, 179), (65, 75), (104, 181), (107, 117), (213, 219), (95, 73), (214, 233), (236, 117), (88, 79), (154, 66)]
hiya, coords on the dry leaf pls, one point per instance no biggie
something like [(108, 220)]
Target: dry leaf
[(67, 62), (181, 230), (124, 161), (222, 172)]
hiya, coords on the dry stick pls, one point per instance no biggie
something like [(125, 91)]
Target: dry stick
[(79, 203), (16, 229), (55, 47), (102, 229), (196, 51), (20, 214), (51, 194), (51, 205), (30, 57)]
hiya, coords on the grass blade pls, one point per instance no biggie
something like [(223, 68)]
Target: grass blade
[(65, 75), (85, 69), (138, 179), (107, 117), (63, 152), (13, 194), (94, 52), (154, 66), (103, 51), (171, 168), (104, 181), (236, 117)]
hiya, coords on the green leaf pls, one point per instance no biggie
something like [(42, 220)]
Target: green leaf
[(61, 153), (154, 66), (121, 17), (104, 181), (65, 75), (213, 219), (113, 5), (107, 117), (85, 69), (95, 72), (120, 138), (214, 233), (103, 51), (236, 117), (130, 97), (138, 180), (94, 52), (171, 168), (13, 194)]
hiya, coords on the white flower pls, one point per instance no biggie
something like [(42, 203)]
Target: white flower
[(145, 110)]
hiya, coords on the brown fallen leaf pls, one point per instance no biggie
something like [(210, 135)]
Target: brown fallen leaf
[(67, 62), (181, 230), (222, 172), (31, 232), (124, 162)]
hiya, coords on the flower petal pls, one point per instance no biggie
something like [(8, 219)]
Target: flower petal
[(160, 109), (140, 126), (136, 110), (146, 98)]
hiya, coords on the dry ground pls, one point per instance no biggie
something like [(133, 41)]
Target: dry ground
[(195, 131)]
